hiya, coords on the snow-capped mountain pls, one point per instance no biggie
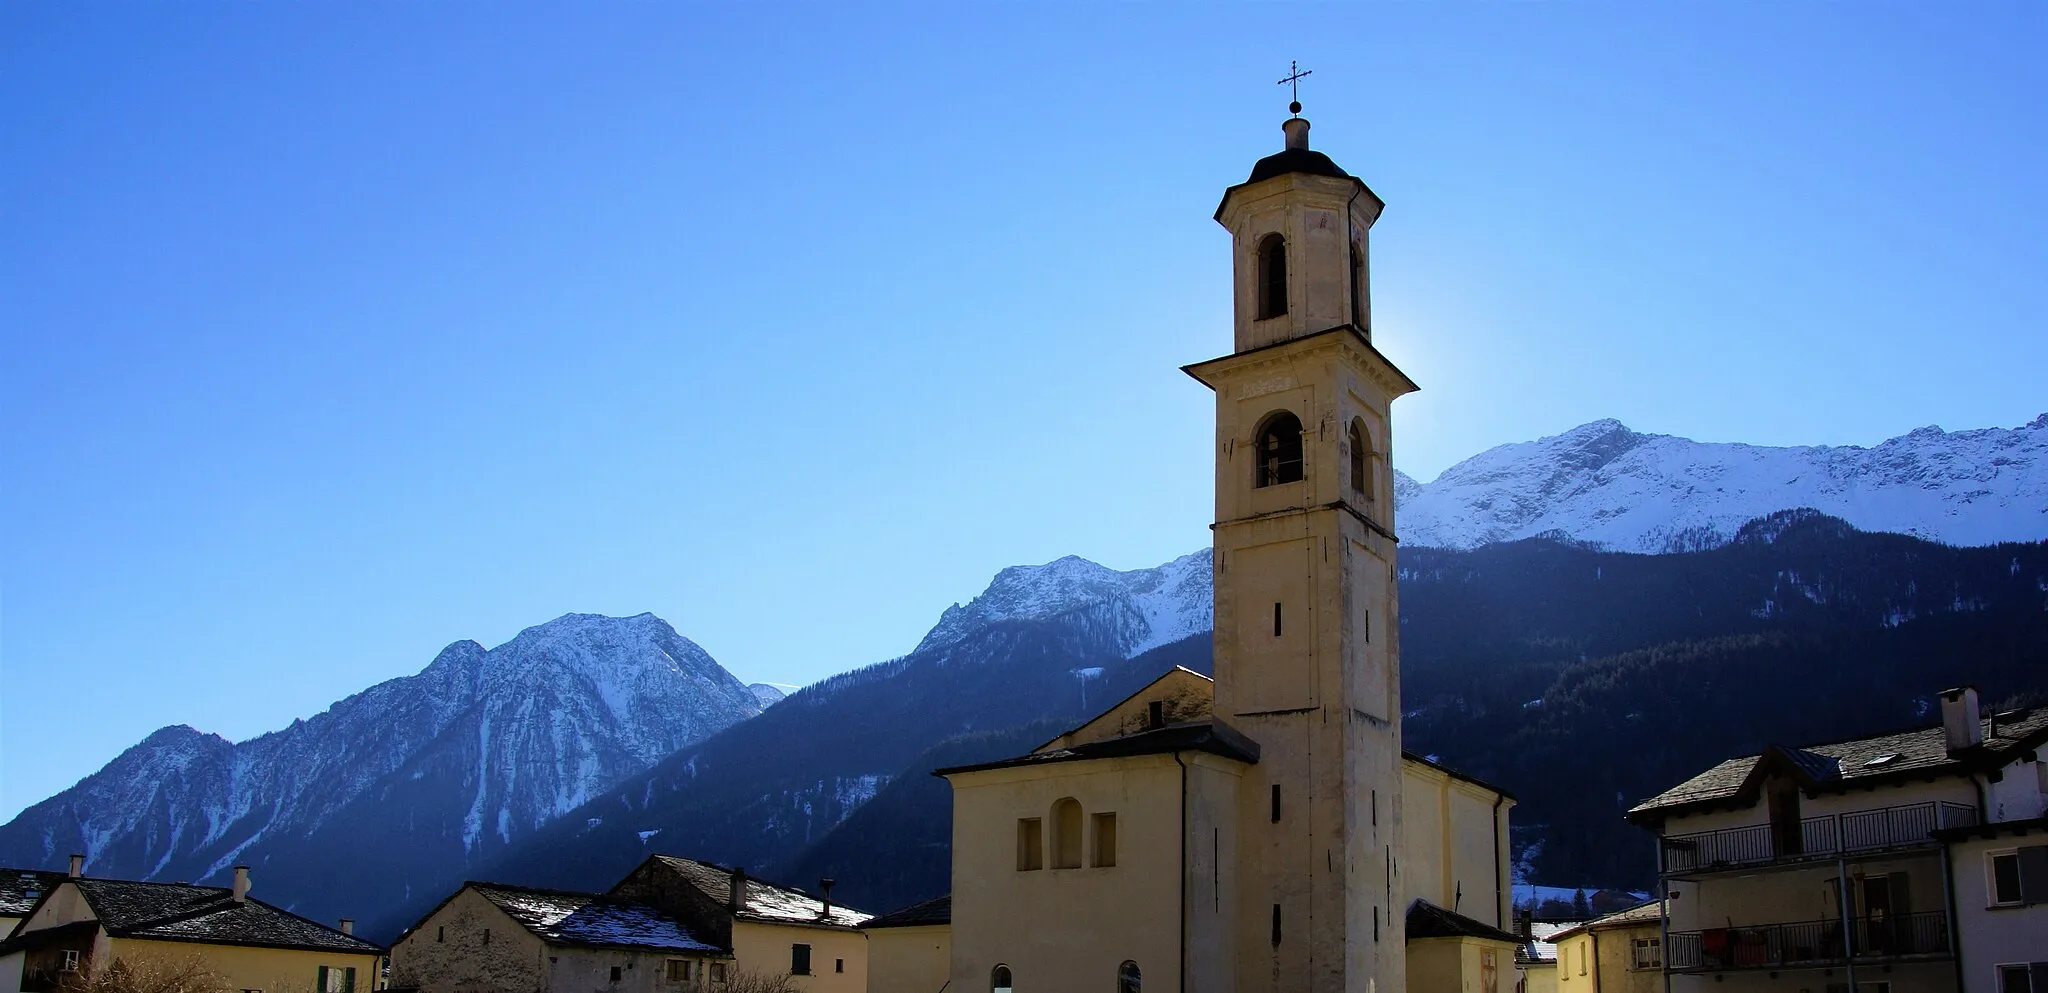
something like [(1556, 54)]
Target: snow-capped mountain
[(1622, 490), (477, 749), (1148, 607)]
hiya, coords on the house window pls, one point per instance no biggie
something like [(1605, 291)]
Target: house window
[(1272, 267), (1279, 450), (1066, 833), (838, 965), (1127, 978), (1105, 839), (1582, 958), (1649, 953), (617, 973), (2019, 876), (678, 970), (999, 980), (2023, 977), (70, 960), (799, 960), (337, 980), (1030, 844), (718, 972)]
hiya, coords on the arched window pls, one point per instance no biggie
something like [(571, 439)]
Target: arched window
[(1272, 276), (1066, 834), (1127, 979), (1279, 450), (999, 979), (1361, 460)]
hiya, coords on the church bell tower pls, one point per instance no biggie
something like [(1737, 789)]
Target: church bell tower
[(1307, 661)]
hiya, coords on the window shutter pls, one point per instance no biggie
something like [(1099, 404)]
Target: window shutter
[(322, 988), (2034, 874), (2040, 977), (348, 980)]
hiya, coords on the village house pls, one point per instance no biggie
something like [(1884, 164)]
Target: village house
[(1537, 956), (19, 891), (494, 937), (673, 925), (1619, 953), (1890, 864), (81, 925)]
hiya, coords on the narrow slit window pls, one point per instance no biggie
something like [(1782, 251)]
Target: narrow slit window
[(1276, 620), (1276, 803), (1276, 925), (1358, 462)]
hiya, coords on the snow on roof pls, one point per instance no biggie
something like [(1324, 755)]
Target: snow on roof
[(565, 918)]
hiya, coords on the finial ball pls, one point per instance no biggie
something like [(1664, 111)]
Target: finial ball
[(1294, 108)]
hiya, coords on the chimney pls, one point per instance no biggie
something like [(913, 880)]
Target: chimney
[(348, 926), (738, 895), (1525, 923), (826, 885), (241, 884), (1959, 719), (77, 866)]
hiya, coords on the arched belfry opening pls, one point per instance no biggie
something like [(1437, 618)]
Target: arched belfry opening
[(1272, 266), (1279, 450), (1361, 460)]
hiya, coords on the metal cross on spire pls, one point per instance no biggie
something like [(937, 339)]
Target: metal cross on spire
[(1293, 81)]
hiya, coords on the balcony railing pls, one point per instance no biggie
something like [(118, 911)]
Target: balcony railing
[(1808, 943), (1814, 837)]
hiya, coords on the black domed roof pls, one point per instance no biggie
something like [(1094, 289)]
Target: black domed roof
[(1296, 160)]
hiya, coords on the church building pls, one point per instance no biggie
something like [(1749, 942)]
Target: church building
[(1264, 831)]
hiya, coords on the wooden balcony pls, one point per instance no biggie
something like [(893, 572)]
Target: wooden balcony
[(1825, 837), (1810, 943)]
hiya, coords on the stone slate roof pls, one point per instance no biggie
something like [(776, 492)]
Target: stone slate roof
[(765, 902), (926, 914), (1844, 764), (1427, 920), (588, 920), (181, 912), (1636, 916), (1211, 736), (21, 888)]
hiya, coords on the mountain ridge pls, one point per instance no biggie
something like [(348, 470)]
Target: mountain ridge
[(1604, 483)]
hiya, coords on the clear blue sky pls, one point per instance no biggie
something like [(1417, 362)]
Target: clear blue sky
[(338, 332)]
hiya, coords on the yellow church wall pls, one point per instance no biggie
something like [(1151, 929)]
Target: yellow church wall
[(1457, 844), (839, 958), (1072, 928), (1459, 965), (268, 970), (909, 959)]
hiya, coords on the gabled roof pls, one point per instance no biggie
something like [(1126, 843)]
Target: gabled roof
[(207, 914), (1636, 916), (1211, 736), (765, 902), (560, 917), (1919, 753), (927, 914), (1427, 920), (21, 888)]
